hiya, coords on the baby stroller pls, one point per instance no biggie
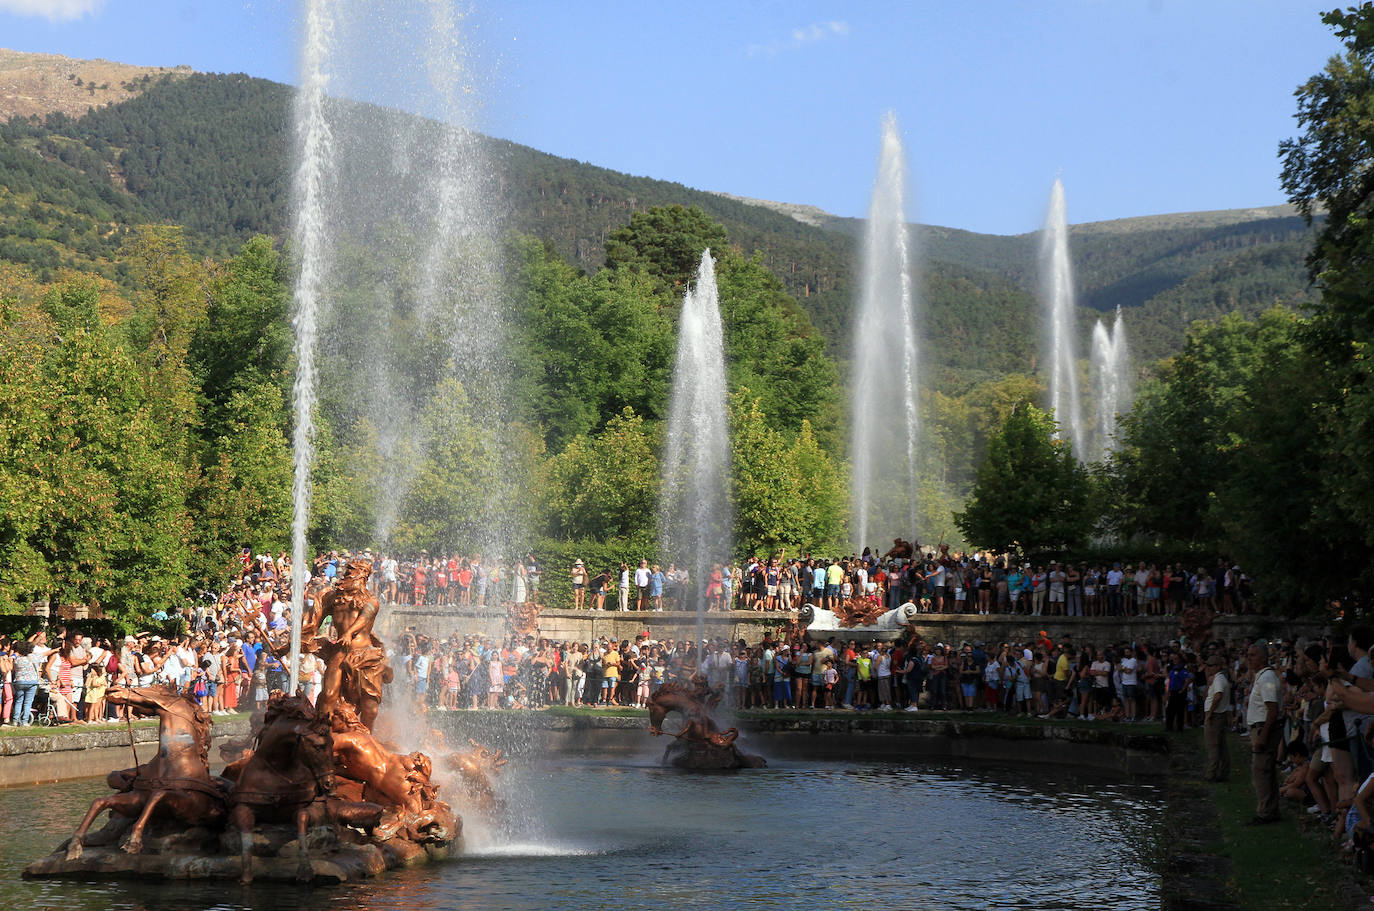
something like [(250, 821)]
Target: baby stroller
[(45, 707)]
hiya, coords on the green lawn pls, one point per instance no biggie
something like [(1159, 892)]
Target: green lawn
[(35, 730), (577, 711), (1279, 866)]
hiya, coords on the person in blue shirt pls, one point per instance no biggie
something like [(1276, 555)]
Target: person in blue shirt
[(1015, 581), (656, 580)]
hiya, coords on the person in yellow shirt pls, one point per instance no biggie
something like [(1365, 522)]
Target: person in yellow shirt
[(1063, 669), (610, 674)]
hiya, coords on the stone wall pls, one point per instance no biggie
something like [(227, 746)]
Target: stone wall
[(57, 754), (583, 626), (861, 737), (67, 754)]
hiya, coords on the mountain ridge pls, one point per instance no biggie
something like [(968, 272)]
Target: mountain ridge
[(211, 152)]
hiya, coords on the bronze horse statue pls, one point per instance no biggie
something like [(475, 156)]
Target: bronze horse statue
[(700, 745), (176, 783), (695, 703), (289, 778)]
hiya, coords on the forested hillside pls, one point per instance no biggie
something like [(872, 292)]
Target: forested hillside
[(174, 363), (209, 152)]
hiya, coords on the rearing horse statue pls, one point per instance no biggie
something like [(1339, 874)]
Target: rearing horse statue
[(694, 702), (288, 778), (175, 783)]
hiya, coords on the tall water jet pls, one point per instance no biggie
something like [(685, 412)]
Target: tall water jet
[(309, 189), (884, 447), (694, 510), (1057, 274), (1111, 367)]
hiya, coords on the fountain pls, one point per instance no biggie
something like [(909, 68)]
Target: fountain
[(1111, 365), (412, 286), (317, 798), (310, 187), (884, 442), (1057, 274), (694, 512)]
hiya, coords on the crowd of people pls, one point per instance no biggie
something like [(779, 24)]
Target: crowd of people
[(941, 582), (936, 581), (1305, 708)]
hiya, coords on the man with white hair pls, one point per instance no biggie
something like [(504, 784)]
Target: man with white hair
[(1261, 717)]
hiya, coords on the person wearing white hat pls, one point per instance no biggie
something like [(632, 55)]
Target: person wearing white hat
[(579, 584)]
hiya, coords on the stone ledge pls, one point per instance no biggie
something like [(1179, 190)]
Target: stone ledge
[(70, 739)]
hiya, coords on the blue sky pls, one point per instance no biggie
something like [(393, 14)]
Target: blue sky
[(1143, 106)]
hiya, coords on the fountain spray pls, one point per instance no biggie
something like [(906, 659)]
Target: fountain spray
[(1057, 274), (315, 157), (885, 426), (694, 513)]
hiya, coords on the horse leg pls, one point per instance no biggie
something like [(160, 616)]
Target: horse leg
[(119, 803), (241, 819), (135, 843), (305, 872)]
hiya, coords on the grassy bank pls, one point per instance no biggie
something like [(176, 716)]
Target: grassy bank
[(37, 730), (1289, 864)]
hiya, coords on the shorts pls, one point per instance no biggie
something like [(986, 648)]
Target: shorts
[(1128, 690), (1152, 594), (832, 591), (772, 591), (578, 586), (818, 679), (1023, 690)]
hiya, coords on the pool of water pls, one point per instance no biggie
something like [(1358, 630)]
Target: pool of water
[(793, 837)]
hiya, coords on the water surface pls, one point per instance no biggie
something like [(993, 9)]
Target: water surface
[(792, 837)]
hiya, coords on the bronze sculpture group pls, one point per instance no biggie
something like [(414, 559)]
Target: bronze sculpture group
[(314, 796), (700, 745)]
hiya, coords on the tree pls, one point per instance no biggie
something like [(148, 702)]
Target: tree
[(666, 242), (605, 487), (772, 349), (245, 339), (823, 492), (1330, 167), (1030, 492), (770, 506), (244, 494)]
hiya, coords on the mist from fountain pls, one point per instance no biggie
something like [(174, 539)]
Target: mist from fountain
[(885, 429), (694, 508), (310, 186), (1111, 369), (1057, 276)]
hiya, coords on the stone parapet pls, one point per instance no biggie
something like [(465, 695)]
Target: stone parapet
[(583, 626)]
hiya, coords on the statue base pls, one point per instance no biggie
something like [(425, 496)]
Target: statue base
[(699, 756), (333, 856)]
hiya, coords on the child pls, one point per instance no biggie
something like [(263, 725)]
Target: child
[(832, 677), (453, 684), (1294, 787), (200, 683), (260, 685), (1115, 713), (97, 681)]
